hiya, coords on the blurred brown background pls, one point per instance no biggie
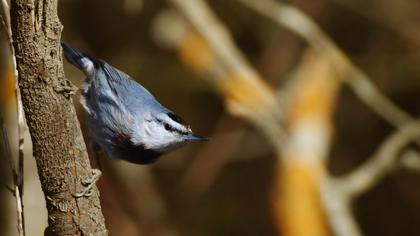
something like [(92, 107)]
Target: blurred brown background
[(227, 192)]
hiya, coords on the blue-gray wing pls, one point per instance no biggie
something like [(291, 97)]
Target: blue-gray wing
[(130, 93)]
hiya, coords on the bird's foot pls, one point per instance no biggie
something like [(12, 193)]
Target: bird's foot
[(89, 183), (67, 88)]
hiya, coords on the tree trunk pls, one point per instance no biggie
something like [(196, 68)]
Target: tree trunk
[(58, 145)]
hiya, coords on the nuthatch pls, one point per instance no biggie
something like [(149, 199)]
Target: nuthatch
[(123, 118)]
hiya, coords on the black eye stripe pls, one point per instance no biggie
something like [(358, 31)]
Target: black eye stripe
[(170, 127), (173, 129), (176, 118)]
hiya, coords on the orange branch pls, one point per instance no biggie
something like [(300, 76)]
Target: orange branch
[(297, 199)]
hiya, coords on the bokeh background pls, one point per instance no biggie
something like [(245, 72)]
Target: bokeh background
[(222, 187)]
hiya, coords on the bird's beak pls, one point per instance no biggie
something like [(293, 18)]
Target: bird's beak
[(195, 138)]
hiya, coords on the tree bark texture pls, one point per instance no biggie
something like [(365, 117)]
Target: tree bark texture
[(58, 145)]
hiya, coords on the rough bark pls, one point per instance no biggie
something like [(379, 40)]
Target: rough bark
[(58, 145)]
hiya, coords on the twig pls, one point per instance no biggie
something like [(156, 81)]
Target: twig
[(21, 123), (338, 192), (6, 21), (410, 159), (20, 213), (297, 22), (381, 163), (16, 191), (392, 22), (338, 209), (6, 149)]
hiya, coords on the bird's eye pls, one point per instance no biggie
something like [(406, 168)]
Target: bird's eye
[(168, 127)]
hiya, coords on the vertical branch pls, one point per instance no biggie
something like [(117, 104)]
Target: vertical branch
[(58, 145), (300, 174), (15, 176), (6, 20)]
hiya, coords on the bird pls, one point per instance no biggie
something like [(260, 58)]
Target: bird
[(123, 118)]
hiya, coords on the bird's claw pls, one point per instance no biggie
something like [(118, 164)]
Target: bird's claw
[(67, 88), (89, 183)]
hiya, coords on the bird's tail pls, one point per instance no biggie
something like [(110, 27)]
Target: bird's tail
[(80, 60)]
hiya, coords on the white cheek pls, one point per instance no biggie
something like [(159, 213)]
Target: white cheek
[(151, 135), (155, 137)]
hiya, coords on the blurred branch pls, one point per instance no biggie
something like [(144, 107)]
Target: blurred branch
[(338, 209), (213, 53), (410, 159), (296, 21), (339, 192), (381, 163), (301, 174), (18, 174), (406, 29)]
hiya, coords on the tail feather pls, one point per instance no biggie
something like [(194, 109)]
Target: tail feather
[(80, 60)]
